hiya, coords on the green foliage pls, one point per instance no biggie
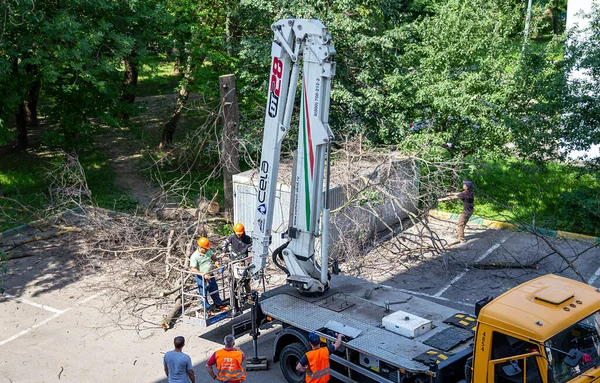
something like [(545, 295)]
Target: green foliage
[(23, 176), (224, 229), (157, 76), (552, 196), (581, 124), (75, 50), (537, 94), (458, 71)]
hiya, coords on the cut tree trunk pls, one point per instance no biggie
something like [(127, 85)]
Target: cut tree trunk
[(230, 158)]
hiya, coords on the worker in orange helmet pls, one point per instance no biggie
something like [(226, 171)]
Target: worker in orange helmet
[(238, 244), (316, 361), (202, 262)]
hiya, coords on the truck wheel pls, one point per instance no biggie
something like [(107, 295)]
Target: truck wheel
[(289, 358)]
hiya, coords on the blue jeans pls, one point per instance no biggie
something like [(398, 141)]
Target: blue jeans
[(206, 288)]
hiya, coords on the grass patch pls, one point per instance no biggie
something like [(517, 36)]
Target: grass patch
[(22, 175), (156, 77), (554, 196), (24, 178)]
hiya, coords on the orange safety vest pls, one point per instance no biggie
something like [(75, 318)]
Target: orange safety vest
[(318, 361), (229, 365)]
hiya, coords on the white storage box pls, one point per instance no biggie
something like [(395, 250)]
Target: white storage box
[(405, 324)]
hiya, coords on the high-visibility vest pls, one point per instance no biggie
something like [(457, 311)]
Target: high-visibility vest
[(229, 365), (318, 362)]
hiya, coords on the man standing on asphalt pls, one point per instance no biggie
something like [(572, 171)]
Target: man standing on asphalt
[(178, 366), (468, 206), (201, 263), (229, 363), (240, 242), (316, 361)]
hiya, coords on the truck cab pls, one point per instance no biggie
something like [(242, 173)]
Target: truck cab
[(545, 330)]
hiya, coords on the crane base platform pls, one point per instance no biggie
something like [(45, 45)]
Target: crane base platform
[(259, 364)]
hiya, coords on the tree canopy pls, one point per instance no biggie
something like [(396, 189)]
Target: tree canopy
[(446, 77)]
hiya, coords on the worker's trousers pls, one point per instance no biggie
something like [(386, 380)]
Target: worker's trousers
[(208, 288), (462, 223)]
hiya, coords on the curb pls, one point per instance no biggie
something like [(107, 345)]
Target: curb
[(509, 226)]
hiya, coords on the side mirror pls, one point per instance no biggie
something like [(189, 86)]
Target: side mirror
[(482, 302), (573, 358)]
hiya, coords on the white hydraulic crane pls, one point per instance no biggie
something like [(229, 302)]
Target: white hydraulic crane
[(296, 41)]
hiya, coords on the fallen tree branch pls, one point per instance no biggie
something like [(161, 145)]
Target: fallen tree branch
[(176, 310), (63, 230), (504, 265)]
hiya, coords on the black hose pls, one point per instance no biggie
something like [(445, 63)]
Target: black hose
[(277, 253)]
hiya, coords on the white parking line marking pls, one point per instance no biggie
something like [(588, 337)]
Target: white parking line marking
[(440, 298), (594, 277), (462, 274), (28, 302), (33, 327), (59, 313)]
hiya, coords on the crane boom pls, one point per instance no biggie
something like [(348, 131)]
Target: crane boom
[(295, 41)]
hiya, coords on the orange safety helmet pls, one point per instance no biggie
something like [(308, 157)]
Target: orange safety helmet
[(238, 228), (204, 242)]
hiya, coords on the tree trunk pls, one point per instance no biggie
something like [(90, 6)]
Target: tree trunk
[(33, 94), (230, 157), (555, 22), (22, 141), (129, 83), (171, 125), (21, 124)]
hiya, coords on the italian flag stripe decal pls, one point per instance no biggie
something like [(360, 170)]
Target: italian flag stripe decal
[(309, 158)]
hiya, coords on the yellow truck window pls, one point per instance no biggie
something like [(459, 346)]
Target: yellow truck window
[(511, 369)]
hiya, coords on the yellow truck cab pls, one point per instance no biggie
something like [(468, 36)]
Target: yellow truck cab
[(545, 330)]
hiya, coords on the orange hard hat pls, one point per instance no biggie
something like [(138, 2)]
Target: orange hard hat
[(238, 228), (204, 242)]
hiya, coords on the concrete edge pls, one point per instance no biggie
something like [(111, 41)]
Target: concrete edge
[(509, 226)]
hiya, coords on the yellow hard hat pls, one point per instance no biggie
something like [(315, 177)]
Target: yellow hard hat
[(204, 242), (238, 228)]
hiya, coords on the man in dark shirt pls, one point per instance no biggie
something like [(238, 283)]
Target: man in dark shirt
[(468, 206), (240, 243)]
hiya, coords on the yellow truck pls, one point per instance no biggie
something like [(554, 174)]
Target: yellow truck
[(545, 330)]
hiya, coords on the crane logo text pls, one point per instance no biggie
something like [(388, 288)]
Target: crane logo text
[(262, 187), (275, 86)]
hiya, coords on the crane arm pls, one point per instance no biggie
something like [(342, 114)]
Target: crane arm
[(296, 41)]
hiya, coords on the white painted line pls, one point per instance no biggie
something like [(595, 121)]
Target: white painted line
[(28, 302), (434, 297), (59, 313), (33, 327), (462, 274), (594, 277), (454, 280)]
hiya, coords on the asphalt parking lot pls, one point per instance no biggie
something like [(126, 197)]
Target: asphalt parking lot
[(61, 326)]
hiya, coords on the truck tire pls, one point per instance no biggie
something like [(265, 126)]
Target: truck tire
[(288, 359)]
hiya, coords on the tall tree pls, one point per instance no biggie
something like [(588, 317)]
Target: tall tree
[(459, 67), (581, 121)]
